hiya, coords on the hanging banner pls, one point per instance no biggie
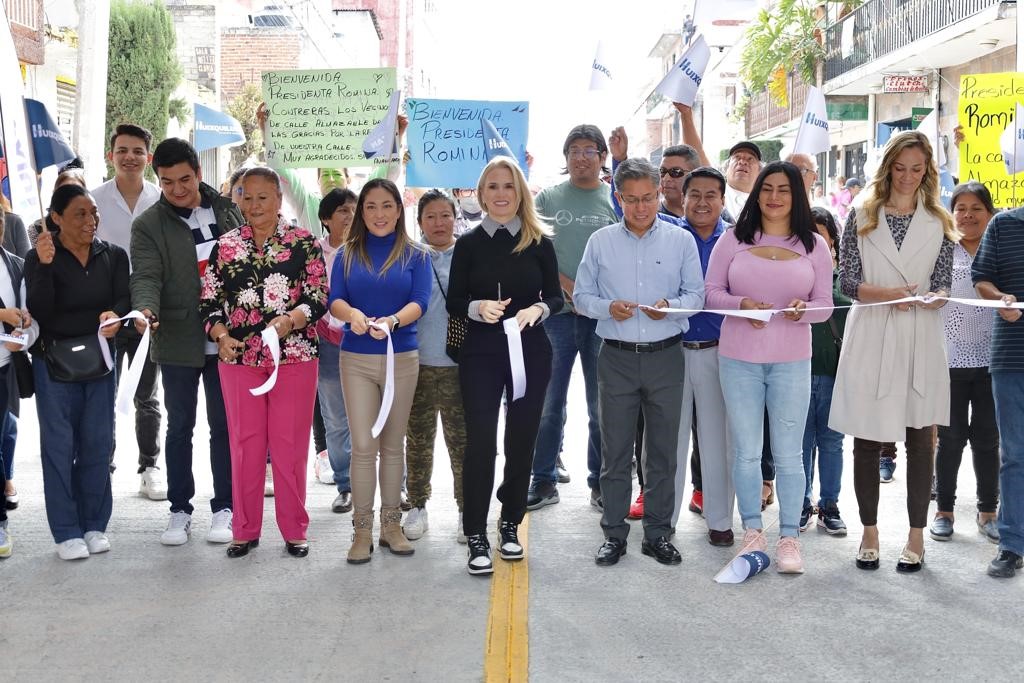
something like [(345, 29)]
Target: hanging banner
[(988, 103), (215, 129), (446, 139), (321, 118)]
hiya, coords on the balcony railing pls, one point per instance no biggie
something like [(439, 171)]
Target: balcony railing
[(879, 27), (763, 114)]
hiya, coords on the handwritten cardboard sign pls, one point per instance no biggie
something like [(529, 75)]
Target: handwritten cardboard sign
[(320, 118), (987, 106), (446, 145)]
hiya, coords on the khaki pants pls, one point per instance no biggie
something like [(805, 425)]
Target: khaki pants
[(362, 382)]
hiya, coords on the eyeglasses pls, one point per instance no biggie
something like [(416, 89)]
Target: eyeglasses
[(647, 200), (673, 172), (806, 171), (589, 154)]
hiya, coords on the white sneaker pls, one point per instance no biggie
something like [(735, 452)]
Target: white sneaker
[(178, 528), (72, 549), (322, 468), (415, 524), (152, 484), (6, 544), (268, 483), (220, 527), (460, 536), (97, 542)]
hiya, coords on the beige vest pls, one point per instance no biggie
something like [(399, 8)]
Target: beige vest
[(892, 368)]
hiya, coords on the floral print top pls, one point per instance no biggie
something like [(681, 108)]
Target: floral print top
[(246, 287)]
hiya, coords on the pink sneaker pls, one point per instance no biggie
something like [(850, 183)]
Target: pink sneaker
[(787, 556), (753, 539)]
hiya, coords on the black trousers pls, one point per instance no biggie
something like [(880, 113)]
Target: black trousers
[(484, 376), (972, 417)]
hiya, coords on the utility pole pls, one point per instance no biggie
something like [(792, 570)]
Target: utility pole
[(89, 136)]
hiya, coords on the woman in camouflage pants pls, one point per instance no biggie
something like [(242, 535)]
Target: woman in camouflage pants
[(438, 387)]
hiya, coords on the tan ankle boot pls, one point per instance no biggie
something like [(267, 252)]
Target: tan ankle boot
[(391, 535), (362, 539)]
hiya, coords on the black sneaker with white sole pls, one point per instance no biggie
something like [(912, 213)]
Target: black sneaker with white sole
[(541, 493), (509, 548), (807, 517), (479, 555), (830, 521)]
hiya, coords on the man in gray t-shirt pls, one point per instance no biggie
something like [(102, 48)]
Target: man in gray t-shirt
[(575, 210)]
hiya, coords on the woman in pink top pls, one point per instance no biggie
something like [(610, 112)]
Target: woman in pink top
[(773, 259)]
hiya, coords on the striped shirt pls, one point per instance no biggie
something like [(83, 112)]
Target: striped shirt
[(1000, 260)]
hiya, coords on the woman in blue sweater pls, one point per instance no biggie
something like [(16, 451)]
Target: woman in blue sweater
[(380, 285)]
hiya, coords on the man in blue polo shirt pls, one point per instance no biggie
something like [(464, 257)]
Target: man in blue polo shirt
[(998, 274)]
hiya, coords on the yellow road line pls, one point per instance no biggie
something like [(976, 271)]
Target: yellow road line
[(507, 655)]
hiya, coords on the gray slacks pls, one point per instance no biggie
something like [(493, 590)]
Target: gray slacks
[(701, 386), (626, 381)]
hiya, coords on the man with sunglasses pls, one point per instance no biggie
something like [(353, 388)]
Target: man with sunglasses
[(575, 209)]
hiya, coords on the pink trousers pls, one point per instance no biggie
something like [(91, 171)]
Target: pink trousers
[(278, 421)]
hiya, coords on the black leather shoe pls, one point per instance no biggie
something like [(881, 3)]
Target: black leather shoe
[(1005, 565), (867, 558), (241, 549), (661, 550), (722, 539), (610, 551), (300, 549)]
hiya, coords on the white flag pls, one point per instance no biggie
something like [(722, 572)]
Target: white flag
[(812, 135), (600, 72), (1012, 143), (681, 82), (930, 127), (14, 131)]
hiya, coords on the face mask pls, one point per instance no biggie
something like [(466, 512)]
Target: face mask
[(469, 205)]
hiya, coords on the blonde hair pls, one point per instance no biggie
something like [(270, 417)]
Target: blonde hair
[(532, 229), (880, 187)]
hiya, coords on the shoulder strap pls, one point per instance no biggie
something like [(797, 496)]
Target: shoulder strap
[(834, 328), (444, 294)]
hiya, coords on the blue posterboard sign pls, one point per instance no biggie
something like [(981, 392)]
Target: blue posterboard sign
[(446, 143)]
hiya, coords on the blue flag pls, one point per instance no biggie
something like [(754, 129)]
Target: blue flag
[(48, 144), (494, 144), (381, 140), (215, 129)]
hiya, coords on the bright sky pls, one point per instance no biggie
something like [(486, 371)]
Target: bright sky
[(542, 51)]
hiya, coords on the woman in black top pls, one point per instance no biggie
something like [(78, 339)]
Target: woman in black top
[(75, 282), (504, 268)]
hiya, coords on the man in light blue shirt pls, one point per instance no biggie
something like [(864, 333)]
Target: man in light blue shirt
[(629, 270)]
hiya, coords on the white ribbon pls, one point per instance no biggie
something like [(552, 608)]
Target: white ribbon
[(764, 315), (129, 385), (389, 382), (273, 344), (515, 357), (11, 339)]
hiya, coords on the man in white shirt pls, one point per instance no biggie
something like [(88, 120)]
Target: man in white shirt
[(120, 200)]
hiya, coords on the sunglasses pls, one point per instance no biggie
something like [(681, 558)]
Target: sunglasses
[(673, 172)]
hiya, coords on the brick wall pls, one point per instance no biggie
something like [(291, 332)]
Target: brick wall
[(245, 53)]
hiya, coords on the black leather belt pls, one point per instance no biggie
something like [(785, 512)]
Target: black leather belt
[(650, 347), (701, 345)]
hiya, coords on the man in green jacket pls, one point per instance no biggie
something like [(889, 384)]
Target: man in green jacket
[(170, 244)]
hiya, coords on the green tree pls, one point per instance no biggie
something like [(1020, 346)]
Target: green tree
[(143, 67), (243, 109)]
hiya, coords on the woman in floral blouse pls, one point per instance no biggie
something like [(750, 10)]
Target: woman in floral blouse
[(266, 274)]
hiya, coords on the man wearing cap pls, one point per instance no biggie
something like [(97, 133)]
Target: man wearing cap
[(852, 188), (741, 170), (575, 210)]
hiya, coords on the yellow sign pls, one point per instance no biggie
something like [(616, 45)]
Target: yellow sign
[(986, 109)]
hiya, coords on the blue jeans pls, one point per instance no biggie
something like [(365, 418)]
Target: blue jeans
[(785, 389), (76, 433), (1008, 390), (181, 391), (332, 408), (8, 441), (569, 334), (829, 444)]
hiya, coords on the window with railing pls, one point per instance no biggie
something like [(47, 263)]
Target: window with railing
[(879, 27), (28, 13)]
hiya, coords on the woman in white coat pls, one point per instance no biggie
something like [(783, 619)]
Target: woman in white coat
[(893, 381)]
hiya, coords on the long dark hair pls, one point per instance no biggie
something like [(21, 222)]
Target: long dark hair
[(824, 217), (800, 220), (975, 188), (59, 201), (355, 244)]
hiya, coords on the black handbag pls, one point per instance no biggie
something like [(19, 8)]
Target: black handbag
[(455, 335), (76, 359), (23, 374)]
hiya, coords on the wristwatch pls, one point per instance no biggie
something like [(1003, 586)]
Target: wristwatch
[(396, 321)]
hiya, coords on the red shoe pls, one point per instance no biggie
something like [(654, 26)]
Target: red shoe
[(697, 502), (636, 510)]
